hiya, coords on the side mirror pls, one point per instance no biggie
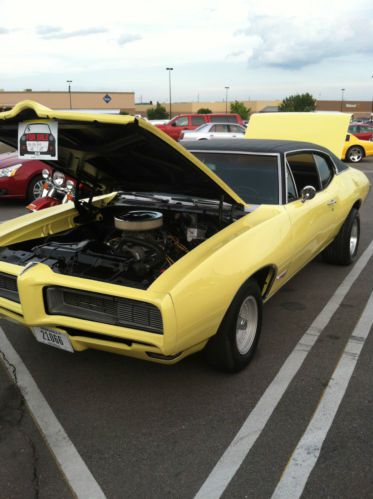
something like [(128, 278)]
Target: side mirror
[(173, 124), (308, 192)]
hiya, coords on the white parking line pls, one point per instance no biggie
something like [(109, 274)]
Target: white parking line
[(231, 460), (308, 449), (77, 475)]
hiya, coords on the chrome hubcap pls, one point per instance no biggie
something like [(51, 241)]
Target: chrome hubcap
[(355, 155), (38, 189), (354, 237), (247, 325)]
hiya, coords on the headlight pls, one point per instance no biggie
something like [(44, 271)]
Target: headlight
[(70, 186), (58, 178), (45, 174), (10, 171)]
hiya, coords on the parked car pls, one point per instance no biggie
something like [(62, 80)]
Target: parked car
[(361, 131), (191, 121), (355, 150), (214, 131), (182, 250), (21, 178), (328, 130)]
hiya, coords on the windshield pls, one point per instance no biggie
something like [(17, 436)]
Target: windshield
[(203, 127), (254, 177)]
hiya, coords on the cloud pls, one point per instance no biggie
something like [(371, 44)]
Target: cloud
[(47, 30), (294, 43), (123, 39), (3, 31), (237, 53), (58, 35)]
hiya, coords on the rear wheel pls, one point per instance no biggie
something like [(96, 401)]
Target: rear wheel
[(234, 345), (35, 188), (355, 154), (343, 250)]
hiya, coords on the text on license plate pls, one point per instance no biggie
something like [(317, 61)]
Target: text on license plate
[(53, 338)]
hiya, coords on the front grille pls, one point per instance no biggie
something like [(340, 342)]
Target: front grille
[(8, 287), (103, 308)]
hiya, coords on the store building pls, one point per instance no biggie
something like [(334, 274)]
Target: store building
[(101, 102)]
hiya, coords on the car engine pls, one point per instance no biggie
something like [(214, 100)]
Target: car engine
[(127, 247)]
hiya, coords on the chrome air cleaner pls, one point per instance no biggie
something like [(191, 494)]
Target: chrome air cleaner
[(138, 221)]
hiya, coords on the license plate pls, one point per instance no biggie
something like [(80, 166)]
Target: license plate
[(52, 338)]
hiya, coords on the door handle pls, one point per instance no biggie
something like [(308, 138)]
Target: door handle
[(331, 202)]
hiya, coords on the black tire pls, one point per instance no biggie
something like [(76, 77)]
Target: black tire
[(232, 348), (355, 154), (32, 188), (343, 250)]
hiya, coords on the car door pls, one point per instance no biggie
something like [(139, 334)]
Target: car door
[(236, 132), (219, 131), (315, 221)]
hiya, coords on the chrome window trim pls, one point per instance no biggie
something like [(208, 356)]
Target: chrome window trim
[(288, 169), (248, 153)]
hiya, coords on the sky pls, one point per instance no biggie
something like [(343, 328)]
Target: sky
[(262, 49)]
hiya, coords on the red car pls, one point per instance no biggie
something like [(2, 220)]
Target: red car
[(362, 131), (192, 121), (21, 178)]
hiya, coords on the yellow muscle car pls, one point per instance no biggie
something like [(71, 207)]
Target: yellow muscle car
[(171, 252)]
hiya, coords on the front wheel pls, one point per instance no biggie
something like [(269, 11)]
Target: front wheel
[(355, 154), (343, 250), (35, 188), (234, 345)]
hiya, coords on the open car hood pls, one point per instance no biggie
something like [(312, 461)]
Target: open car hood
[(325, 129), (115, 152)]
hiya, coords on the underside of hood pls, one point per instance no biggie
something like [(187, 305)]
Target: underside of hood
[(114, 152)]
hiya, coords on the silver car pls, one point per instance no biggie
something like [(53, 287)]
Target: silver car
[(209, 131)]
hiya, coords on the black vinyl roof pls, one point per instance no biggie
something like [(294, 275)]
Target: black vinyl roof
[(260, 146)]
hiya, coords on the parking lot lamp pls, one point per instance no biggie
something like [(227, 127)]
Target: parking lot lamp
[(169, 85), (226, 98), (69, 83), (342, 90)]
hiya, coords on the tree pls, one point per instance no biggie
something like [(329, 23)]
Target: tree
[(240, 108), (157, 113), (297, 103), (204, 110)]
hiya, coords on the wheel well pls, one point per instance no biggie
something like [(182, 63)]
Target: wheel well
[(265, 277), (357, 204)]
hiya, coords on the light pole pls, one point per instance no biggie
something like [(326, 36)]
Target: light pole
[(226, 98), (69, 82), (342, 90), (169, 85), (371, 109)]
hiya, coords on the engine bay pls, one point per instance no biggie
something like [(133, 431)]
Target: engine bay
[(129, 246)]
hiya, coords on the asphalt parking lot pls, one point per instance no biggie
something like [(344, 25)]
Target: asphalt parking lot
[(102, 425)]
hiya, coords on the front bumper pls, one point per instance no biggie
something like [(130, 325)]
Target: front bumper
[(32, 311)]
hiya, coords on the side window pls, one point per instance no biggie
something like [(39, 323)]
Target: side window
[(303, 168), (292, 190), (220, 128), (212, 129), (235, 129), (325, 170), (183, 121), (197, 120)]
